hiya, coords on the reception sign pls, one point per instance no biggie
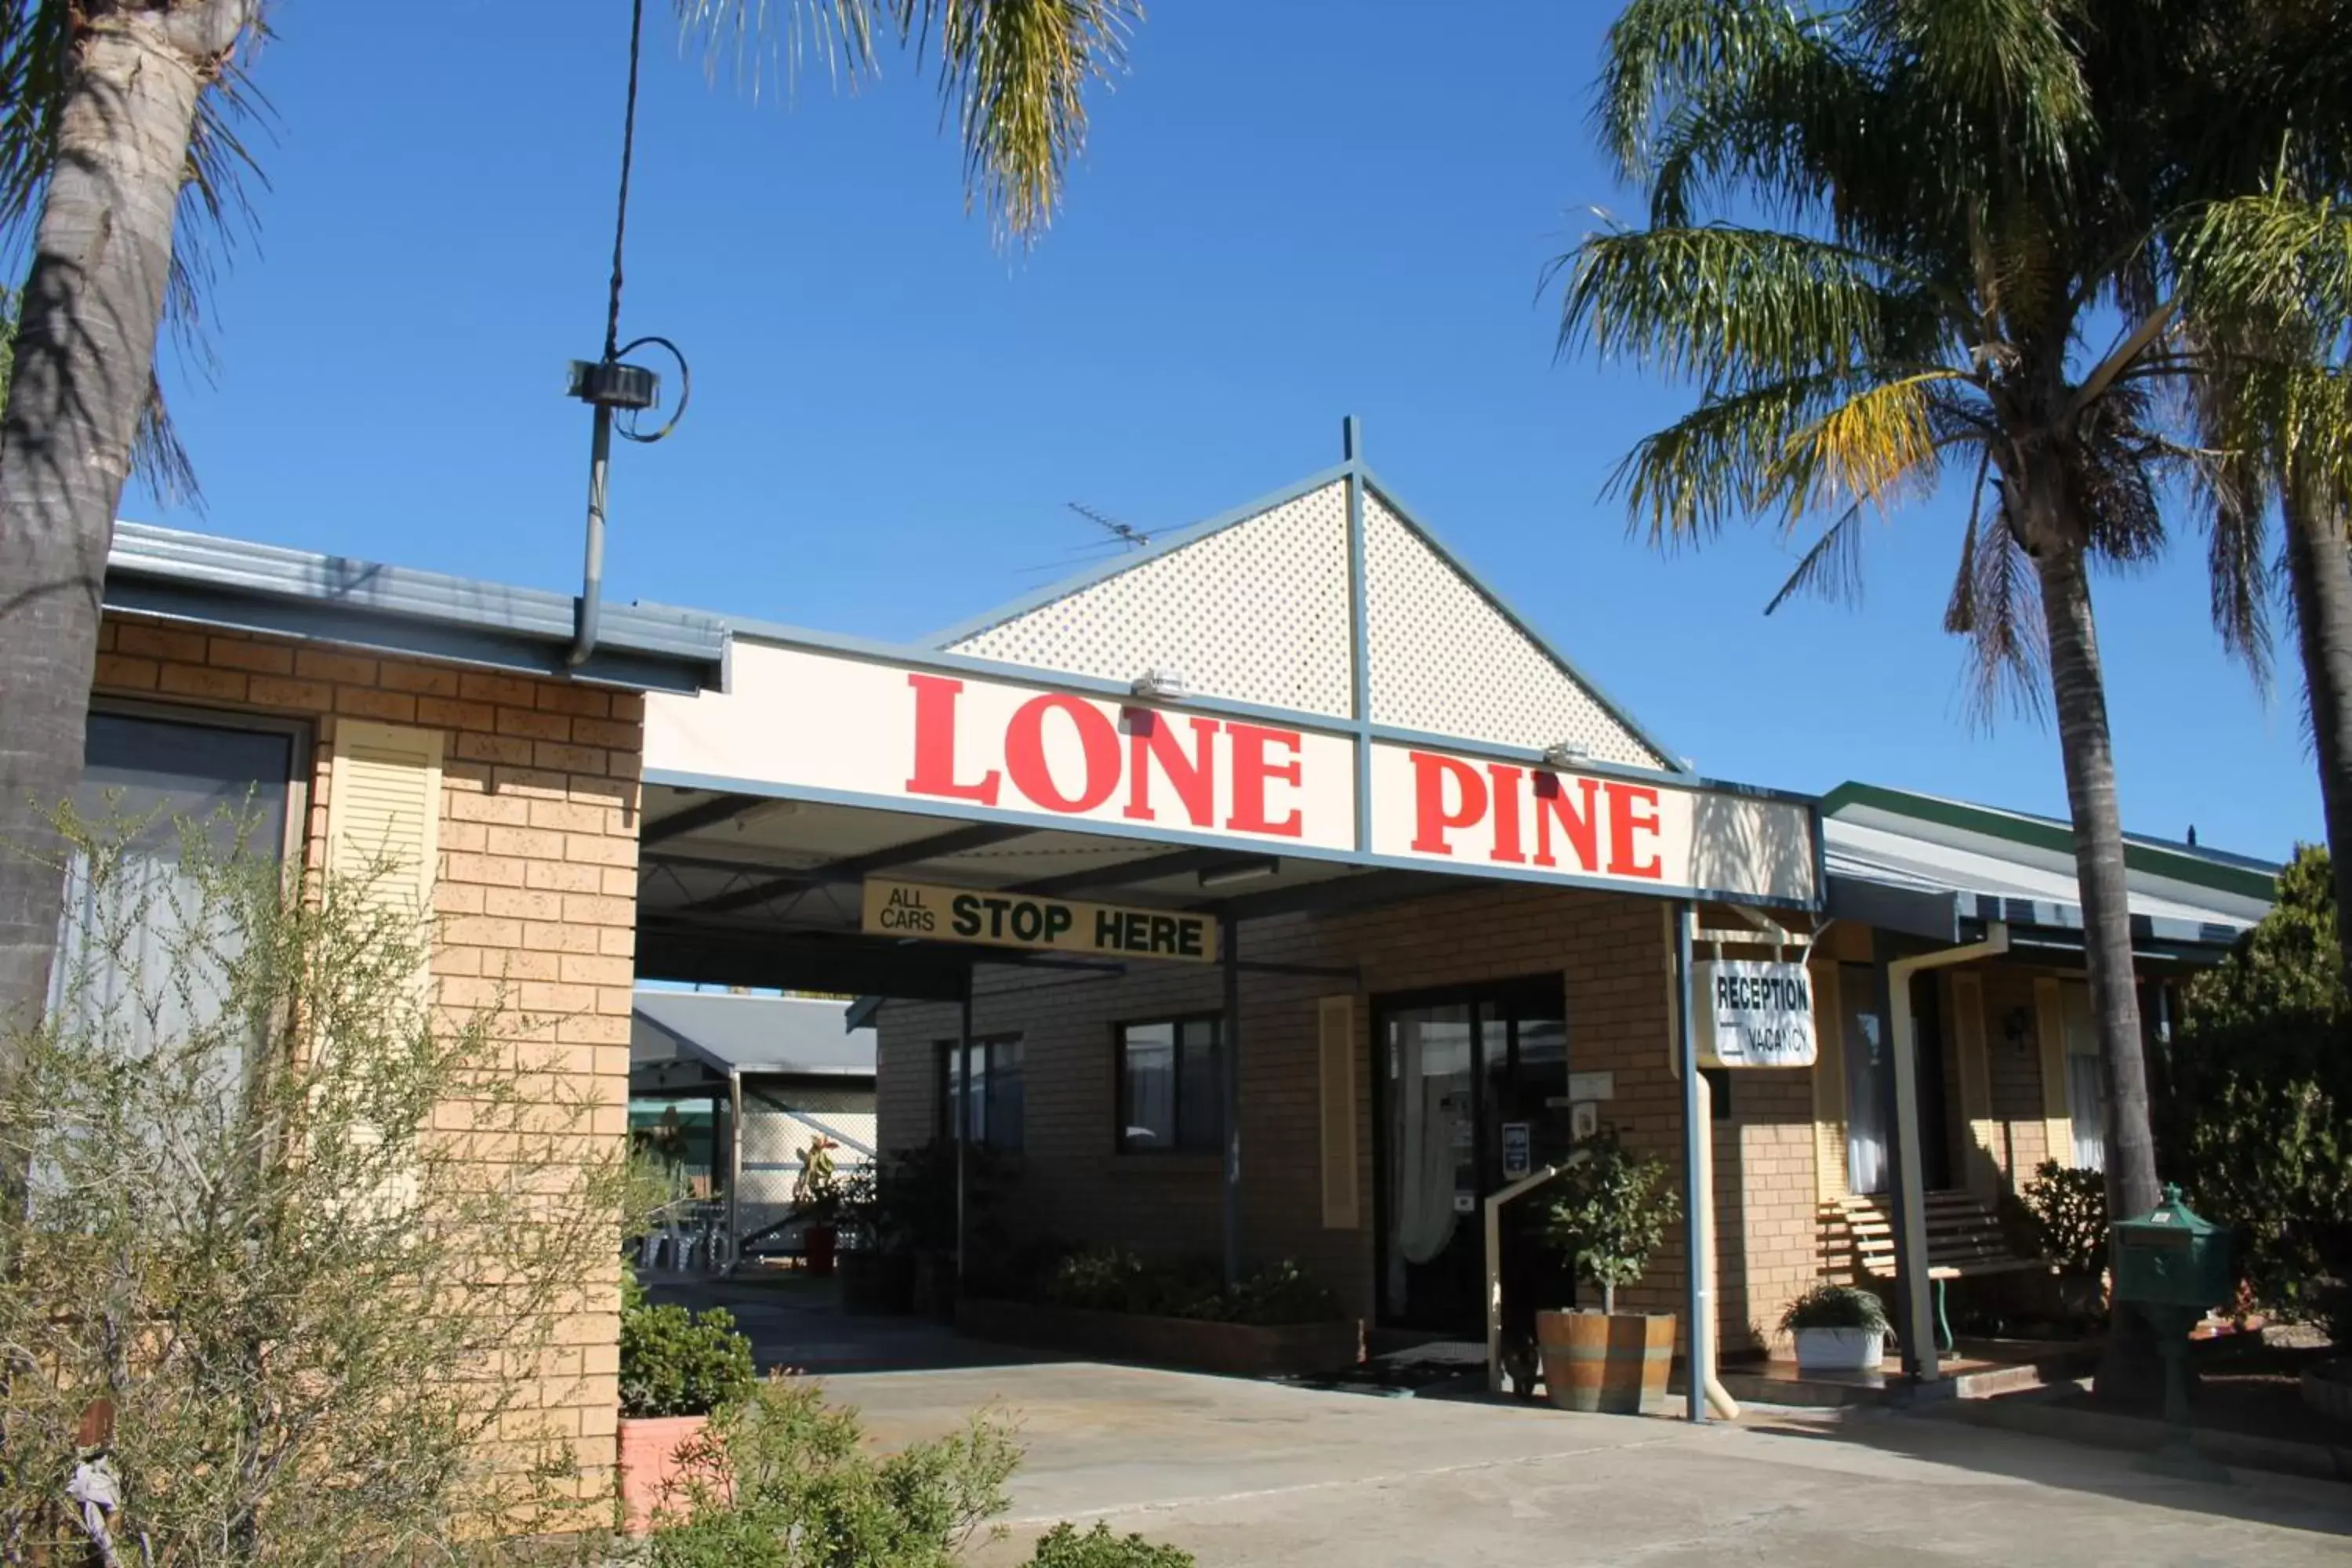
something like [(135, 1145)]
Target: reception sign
[(1754, 1014)]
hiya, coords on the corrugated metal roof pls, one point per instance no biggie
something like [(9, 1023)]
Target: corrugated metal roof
[(1890, 856), (240, 585), (756, 1034)]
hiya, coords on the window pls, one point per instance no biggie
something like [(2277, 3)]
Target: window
[(994, 1110), (164, 775), (2086, 1080), (1171, 1087)]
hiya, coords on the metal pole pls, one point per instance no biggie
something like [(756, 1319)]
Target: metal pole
[(1229, 956), (962, 1127), (1695, 1293), (734, 1166), (591, 569)]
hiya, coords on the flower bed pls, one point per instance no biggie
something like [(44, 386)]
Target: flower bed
[(1112, 1303), (1193, 1345)]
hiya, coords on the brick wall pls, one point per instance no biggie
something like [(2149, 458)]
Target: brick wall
[(1611, 954), (536, 888)]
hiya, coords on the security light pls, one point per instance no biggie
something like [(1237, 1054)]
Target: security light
[(1165, 684), (1565, 755)]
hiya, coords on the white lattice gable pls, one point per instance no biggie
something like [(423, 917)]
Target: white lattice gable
[(1445, 658), (1256, 611)]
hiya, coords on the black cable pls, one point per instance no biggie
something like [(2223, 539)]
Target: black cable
[(628, 152)]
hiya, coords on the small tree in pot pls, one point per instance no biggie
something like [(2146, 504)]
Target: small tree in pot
[(1609, 1212)]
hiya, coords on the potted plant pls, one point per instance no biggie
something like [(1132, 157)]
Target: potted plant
[(877, 1263), (676, 1370), (1838, 1328), (1609, 1213), (816, 1193)]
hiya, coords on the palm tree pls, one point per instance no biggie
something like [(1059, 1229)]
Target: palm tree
[(1961, 274), (115, 142), (2260, 267)]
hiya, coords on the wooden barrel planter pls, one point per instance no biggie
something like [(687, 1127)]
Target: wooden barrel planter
[(1604, 1362)]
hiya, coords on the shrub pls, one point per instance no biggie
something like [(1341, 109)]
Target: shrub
[(1612, 1212), (1836, 1307), (2258, 1123), (288, 1297), (1113, 1279), (674, 1363), (1063, 1547), (2068, 1206), (800, 1489)]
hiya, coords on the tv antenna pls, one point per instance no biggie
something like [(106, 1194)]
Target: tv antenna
[(1117, 537), (613, 386)]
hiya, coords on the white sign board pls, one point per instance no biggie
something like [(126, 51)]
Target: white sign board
[(1754, 1014), (859, 728)]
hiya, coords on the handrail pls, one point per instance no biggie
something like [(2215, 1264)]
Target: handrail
[(1493, 1208)]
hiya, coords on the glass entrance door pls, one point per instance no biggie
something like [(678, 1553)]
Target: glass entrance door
[(1474, 1089)]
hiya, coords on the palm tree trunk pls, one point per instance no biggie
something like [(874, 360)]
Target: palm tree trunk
[(2089, 752), (84, 362), (2319, 569)]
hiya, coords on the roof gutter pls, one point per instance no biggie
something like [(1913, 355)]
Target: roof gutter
[(1911, 1215)]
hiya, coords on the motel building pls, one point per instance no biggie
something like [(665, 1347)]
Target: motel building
[(1273, 892)]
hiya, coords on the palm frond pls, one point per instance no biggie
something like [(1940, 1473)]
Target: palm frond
[(1731, 306), (1832, 568), (1876, 448), (1659, 52), (2004, 76), (1996, 606), (1721, 461), (1012, 75)]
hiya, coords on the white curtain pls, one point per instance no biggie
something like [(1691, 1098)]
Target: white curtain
[(1867, 1070), (1431, 1075)]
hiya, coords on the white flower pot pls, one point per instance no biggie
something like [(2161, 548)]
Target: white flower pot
[(1839, 1349)]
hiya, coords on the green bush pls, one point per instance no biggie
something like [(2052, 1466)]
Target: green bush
[(1113, 1279), (1836, 1307), (2258, 1123), (676, 1363), (1610, 1212), (2068, 1205), (803, 1490), (1063, 1547)]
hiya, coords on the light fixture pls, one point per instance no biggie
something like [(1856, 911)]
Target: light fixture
[(1240, 871), (1166, 684), (1565, 755)]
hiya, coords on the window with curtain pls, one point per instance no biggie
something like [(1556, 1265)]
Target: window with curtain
[(157, 780), (2086, 1080), (991, 1111), (1170, 1086)]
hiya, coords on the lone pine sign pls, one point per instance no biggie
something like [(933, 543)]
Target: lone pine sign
[(858, 728)]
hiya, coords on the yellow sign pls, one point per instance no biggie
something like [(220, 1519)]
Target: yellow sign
[(1045, 925)]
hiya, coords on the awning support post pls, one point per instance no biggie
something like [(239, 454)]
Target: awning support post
[(1229, 958), (734, 1167), (1911, 1197), (1696, 1296), (963, 1130)]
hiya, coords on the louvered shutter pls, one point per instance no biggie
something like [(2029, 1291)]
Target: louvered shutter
[(384, 810)]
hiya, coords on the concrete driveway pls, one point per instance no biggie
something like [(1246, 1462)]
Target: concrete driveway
[(1253, 1474)]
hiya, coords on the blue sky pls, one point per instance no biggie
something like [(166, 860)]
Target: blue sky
[(1288, 212)]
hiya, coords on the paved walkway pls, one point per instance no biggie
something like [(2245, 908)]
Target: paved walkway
[(1248, 1474)]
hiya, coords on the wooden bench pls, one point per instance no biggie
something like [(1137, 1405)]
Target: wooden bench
[(1965, 1240)]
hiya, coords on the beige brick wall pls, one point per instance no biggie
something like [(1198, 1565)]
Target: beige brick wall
[(537, 885), (1611, 955)]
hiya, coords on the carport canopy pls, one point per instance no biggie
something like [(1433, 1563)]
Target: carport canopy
[(1307, 703)]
